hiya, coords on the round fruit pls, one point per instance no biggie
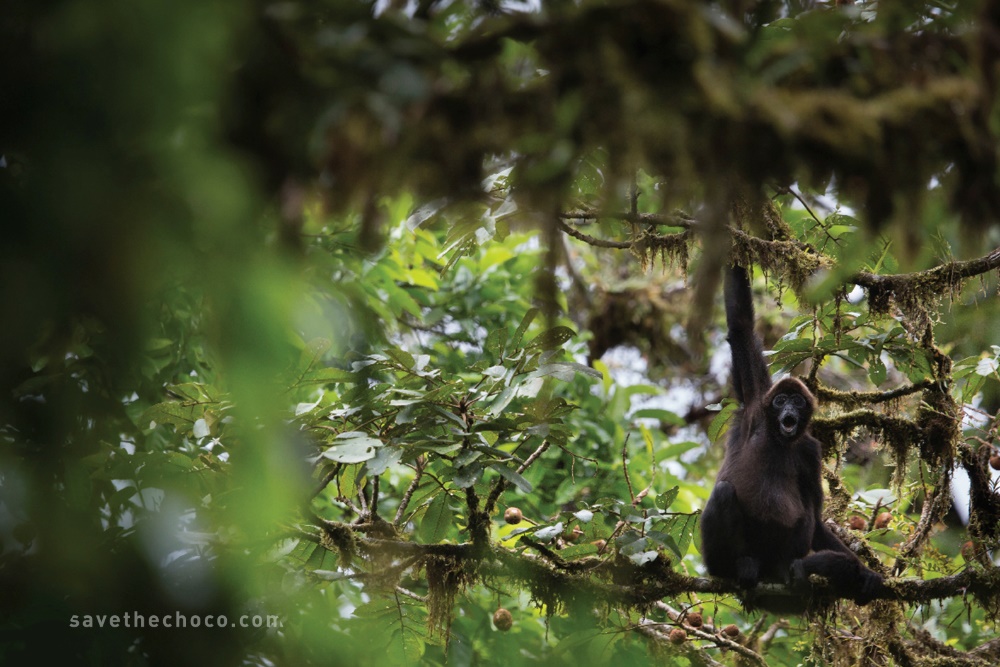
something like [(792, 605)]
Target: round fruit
[(883, 519), (678, 636), (502, 620), (694, 620), (731, 631), (857, 522), (513, 516), (995, 461)]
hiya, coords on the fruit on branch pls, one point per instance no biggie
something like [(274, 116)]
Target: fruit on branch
[(503, 620)]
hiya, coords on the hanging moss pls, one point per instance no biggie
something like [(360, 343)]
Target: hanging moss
[(446, 577), (340, 539), (939, 420), (897, 433), (672, 249)]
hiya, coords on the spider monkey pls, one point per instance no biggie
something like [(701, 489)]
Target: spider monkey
[(763, 521)]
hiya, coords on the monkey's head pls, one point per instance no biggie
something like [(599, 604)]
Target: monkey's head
[(789, 406)]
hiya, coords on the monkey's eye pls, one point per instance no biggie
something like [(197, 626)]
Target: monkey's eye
[(799, 401), (779, 400)]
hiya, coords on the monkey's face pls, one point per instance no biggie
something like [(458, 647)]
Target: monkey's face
[(790, 413)]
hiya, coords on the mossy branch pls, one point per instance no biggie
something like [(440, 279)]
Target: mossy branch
[(796, 260), (856, 398), (895, 427), (617, 581), (946, 275)]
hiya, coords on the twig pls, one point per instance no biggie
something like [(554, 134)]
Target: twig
[(410, 594), (717, 639), (401, 510), (696, 654), (501, 484), (628, 481), (772, 632), (677, 219), (329, 477), (590, 240)]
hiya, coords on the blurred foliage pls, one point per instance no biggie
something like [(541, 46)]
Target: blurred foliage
[(301, 299)]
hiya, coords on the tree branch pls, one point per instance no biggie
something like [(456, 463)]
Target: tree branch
[(945, 274), (600, 578), (590, 240), (676, 219), (853, 398)]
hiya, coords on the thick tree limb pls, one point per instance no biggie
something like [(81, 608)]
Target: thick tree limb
[(619, 581), (944, 274), (947, 275), (854, 398)]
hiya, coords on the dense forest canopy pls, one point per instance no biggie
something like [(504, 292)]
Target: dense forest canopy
[(390, 332)]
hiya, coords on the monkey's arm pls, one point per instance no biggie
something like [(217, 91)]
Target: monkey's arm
[(723, 544), (811, 483), (751, 378)]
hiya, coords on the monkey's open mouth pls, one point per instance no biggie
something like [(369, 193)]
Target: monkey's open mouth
[(789, 425)]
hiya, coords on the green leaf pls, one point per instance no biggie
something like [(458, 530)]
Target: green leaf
[(173, 413), (437, 520), (567, 370), (794, 345), (401, 357), (496, 342), (512, 476), (311, 356), (665, 416), (525, 323), (675, 450), (384, 457), (502, 401), (405, 649), (720, 424), (551, 339), (326, 376), (681, 529), (876, 371), (667, 498), (352, 447), (468, 475), (401, 301), (195, 392)]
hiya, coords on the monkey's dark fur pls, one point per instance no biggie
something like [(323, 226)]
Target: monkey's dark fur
[(763, 521)]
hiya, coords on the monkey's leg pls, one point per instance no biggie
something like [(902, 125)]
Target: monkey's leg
[(846, 575)]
